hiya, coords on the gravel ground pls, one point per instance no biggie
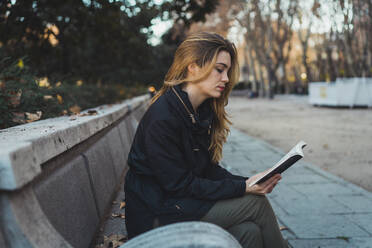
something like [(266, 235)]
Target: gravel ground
[(339, 139)]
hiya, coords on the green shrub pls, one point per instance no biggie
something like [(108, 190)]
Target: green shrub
[(25, 98)]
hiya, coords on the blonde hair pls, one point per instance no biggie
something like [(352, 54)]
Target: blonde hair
[(202, 49)]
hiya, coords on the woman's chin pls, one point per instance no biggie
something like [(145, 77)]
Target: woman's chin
[(216, 94)]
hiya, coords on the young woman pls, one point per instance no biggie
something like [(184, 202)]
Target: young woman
[(174, 174)]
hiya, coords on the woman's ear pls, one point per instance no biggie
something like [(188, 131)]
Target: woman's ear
[(193, 69)]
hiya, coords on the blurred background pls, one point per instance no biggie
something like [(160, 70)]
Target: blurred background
[(58, 57)]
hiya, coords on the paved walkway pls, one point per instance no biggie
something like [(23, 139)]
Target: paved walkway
[(319, 209)]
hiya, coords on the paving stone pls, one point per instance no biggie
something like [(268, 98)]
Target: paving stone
[(312, 226), (319, 243), (325, 189), (278, 210), (362, 220), (102, 173), (116, 149), (289, 177), (358, 203), (67, 199), (317, 204), (287, 234), (360, 243)]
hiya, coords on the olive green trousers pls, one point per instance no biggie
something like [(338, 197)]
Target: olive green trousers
[(250, 219)]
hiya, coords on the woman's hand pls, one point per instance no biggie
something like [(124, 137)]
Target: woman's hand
[(264, 187)]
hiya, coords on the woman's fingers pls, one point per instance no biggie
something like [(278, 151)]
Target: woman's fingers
[(269, 185), (271, 180), (265, 187)]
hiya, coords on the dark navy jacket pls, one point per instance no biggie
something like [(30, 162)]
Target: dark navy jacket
[(171, 177)]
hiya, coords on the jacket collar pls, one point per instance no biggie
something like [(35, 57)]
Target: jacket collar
[(203, 116)]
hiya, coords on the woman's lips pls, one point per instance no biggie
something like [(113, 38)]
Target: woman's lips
[(221, 88)]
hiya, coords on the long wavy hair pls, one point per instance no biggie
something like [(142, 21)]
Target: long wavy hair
[(202, 49)]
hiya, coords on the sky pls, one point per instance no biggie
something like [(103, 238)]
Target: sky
[(328, 17)]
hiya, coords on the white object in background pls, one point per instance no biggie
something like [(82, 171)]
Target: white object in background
[(344, 92)]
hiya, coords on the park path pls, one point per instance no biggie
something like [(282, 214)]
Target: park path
[(318, 208)]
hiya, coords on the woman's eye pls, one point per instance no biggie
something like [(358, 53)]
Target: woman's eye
[(219, 70)]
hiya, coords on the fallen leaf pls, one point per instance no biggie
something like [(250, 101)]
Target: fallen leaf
[(89, 112), (343, 238), (64, 112), (75, 109), (325, 146), (33, 117), (58, 84), (92, 112), (114, 215), (60, 99), (114, 240), (282, 228), (122, 204)]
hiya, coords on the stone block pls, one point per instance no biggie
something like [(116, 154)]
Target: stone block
[(125, 137), (290, 177), (296, 204), (323, 243), (67, 200), (358, 203), (140, 111), (102, 173), (360, 242), (323, 226), (116, 149), (325, 189), (132, 125), (185, 235), (362, 220)]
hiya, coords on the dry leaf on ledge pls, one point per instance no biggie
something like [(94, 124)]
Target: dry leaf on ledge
[(122, 204), (75, 109), (33, 117)]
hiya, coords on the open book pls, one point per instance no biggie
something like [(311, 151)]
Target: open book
[(289, 159)]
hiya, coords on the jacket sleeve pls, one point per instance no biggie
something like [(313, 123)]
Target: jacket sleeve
[(216, 172), (163, 145)]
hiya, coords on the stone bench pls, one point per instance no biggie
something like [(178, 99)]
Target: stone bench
[(192, 234), (58, 176)]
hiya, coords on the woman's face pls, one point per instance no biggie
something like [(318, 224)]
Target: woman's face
[(215, 83)]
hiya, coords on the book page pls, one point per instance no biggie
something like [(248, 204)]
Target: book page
[(284, 163)]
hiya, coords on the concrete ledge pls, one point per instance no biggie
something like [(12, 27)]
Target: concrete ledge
[(185, 235), (24, 148), (59, 176)]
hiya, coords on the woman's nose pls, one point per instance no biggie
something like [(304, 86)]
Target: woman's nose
[(225, 78)]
